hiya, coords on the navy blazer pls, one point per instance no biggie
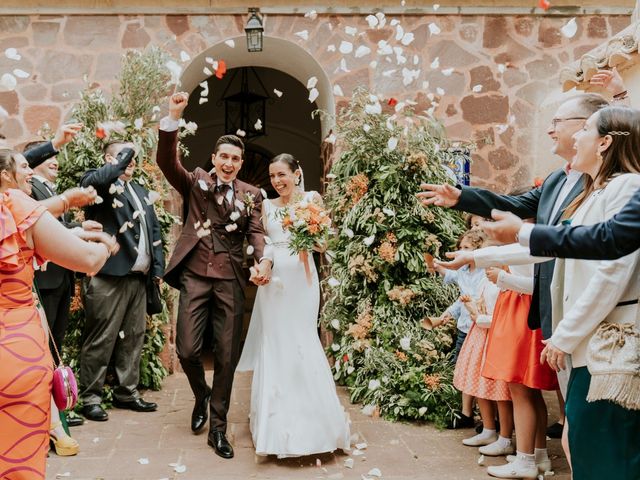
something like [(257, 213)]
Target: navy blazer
[(537, 203), (39, 154), (615, 238), (112, 218)]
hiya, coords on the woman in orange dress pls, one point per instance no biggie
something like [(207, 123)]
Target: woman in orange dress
[(28, 232)]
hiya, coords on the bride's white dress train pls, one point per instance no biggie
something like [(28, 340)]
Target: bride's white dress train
[(295, 410)]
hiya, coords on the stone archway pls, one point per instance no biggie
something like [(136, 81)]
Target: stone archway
[(282, 65)]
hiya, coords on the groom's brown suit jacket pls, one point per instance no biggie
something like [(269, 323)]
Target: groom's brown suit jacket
[(218, 255)]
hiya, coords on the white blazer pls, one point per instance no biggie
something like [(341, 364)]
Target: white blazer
[(585, 292)]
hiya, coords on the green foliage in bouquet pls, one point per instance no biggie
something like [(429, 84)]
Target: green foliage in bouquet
[(379, 290), (130, 115)]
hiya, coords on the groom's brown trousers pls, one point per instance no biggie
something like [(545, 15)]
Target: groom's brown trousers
[(220, 302)]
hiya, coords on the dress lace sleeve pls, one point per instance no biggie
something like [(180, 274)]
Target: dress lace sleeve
[(18, 213)]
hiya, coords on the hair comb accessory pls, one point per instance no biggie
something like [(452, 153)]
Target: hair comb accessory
[(619, 132)]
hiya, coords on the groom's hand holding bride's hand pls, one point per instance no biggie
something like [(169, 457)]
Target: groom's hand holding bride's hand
[(261, 273)]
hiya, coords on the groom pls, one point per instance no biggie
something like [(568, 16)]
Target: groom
[(206, 266)]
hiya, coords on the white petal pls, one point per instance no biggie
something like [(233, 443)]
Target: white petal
[(8, 82), (311, 14), (372, 20), (304, 34), (63, 475), (440, 91), (123, 228), (434, 29), (138, 123), (361, 446), (98, 200), (348, 232), (366, 128), (392, 144), (480, 460), (231, 227), (407, 39), (207, 71), (382, 21), (203, 185), (501, 129), (345, 47), (234, 215), (502, 67), (335, 347), (435, 63), (231, 43), (277, 92), (477, 88), (12, 54), (202, 232), (375, 472), (313, 94), (180, 468), (241, 133), (366, 410), (312, 82), (157, 242), (422, 410), (368, 241), (184, 56), (361, 51), (337, 91), (351, 30), (263, 192), (207, 224), (388, 212), (447, 72), (20, 73), (570, 28), (331, 48), (175, 70), (143, 461), (436, 6), (210, 60), (373, 64), (335, 323), (399, 33), (333, 282), (331, 176), (374, 384), (331, 138), (250, 250), (348, 462), (343, 66)]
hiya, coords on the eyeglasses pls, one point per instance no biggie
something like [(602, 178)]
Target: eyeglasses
[(556, 121)]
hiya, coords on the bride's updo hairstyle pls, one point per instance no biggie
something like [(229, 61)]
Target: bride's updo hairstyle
[(289, 160)]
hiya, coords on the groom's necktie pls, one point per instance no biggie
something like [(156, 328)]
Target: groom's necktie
[(223, 190)]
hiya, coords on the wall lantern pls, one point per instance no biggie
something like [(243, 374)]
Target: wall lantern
[(254, 30)]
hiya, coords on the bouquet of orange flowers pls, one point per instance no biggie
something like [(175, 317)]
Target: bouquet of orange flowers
[(308, 223)]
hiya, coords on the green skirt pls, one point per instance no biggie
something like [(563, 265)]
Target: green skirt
[(604, 438)]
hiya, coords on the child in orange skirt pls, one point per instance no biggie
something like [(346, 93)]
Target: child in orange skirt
[(513, 356)]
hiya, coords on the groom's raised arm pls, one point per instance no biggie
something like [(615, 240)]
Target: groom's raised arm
[(167, 156)]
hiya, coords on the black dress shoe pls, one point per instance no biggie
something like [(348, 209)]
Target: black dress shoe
[(200, 412), (75, 421), (460, 420), (555, 430), (137, 405), (94, 412), (220, 444)]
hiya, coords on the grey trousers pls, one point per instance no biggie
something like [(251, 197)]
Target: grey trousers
[(115, 309)]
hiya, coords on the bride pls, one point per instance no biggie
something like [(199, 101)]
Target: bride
[(295, 410)]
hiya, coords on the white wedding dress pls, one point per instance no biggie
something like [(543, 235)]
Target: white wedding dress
[(295, 410)]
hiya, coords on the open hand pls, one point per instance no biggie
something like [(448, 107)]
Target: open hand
[(504, 229), (444, 195), (492, 274), (609, 79), (65, 134), (459, 260), (177, 103)]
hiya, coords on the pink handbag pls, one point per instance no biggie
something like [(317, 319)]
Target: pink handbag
[(65, 388)]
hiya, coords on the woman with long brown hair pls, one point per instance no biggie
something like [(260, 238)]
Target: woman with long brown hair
[(29, 232), (603, 435)]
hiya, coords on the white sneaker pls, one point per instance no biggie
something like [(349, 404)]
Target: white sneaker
[(496, 449), (543, 467), (480, 440), (513, 470)]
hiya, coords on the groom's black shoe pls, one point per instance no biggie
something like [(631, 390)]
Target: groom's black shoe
[(220, 444), (200, 413)]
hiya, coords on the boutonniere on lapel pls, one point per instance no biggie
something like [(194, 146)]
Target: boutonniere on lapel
[(249, 202)]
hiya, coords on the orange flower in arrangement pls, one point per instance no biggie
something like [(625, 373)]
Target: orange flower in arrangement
[(401, 356), (286, 221), (537, 182), (432, 382), (101, 133), (357, 187)]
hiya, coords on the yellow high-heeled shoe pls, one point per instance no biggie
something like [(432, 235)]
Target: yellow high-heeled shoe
[(64, 446)]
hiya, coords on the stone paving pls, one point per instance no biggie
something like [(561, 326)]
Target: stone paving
[(115, 450)]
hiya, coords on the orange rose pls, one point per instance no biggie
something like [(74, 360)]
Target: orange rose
[(286, 222)]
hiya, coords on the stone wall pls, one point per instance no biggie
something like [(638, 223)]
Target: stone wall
[(515, 60)]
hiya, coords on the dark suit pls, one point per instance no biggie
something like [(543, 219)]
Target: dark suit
[(55, 283), (115, 299), (538, 204), (615, 238), (207, 269)]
